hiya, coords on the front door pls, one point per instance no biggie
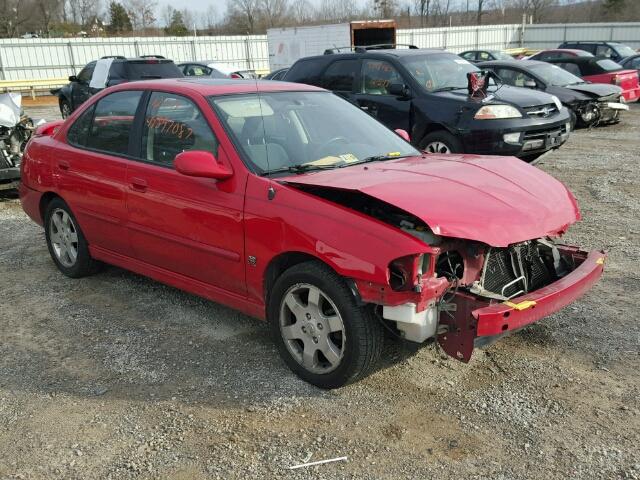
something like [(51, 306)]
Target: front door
[(375, 98), (185, 225), (90, 169)]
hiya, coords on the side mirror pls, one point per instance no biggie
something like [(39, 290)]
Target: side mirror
[(403, 134), (399, 90), (198, 163), (73, 78), (530, 84)]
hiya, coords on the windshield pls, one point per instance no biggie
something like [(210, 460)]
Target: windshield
[(439, 71), (623, 50), (608, 65), (277, 130), (554, 75), (498, 55)]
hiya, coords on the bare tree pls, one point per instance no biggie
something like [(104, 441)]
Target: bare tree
[(274, 11), (48, 10), (302, 11), (247, 11), (423, 9), (480, 12), (142, 13)]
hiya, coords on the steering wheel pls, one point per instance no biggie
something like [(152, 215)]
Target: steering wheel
[(330, 142)]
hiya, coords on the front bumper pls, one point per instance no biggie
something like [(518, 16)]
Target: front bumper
[(536, 135), (475, 319)]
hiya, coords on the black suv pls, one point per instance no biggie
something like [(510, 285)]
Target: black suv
[(425, 92), (118, 70), (613, 50)]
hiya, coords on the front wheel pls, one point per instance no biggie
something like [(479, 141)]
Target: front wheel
[(441, 142), (322, 334)]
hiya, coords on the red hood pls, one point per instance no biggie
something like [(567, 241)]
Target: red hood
[(495, 200)]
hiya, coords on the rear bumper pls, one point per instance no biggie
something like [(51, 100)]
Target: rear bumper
[(30, 200), (632, 95), (476, 319)]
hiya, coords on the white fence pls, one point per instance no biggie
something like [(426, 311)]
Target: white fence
[(54, 58)]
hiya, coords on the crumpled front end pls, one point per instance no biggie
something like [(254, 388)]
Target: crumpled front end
[(468, 293)]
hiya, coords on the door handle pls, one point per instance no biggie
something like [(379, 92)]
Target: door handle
[(139, 184), (63, 165), (364, 107)]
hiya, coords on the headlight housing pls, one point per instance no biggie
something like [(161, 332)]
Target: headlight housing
[(557, 101), (405, 273), (493, 112)]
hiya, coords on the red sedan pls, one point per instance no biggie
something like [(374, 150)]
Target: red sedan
[(603, 70), (294, 206)]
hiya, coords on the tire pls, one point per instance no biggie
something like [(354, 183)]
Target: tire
[(65, 109), (441, 141), (349, 334), (66, 242)]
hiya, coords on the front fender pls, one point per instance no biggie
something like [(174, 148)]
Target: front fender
[(354, 245)]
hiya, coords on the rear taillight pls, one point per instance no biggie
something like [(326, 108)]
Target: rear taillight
[(235, 75), (616, 80)]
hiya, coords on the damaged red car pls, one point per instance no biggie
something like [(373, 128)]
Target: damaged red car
[(292, 205)]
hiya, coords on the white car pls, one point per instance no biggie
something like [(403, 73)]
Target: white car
[(212, 69)]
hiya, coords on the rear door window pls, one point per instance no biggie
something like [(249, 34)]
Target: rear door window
[(174, 124), (378, 76), (150, 69), (77, 134), (571, 68), (197, 71), (604, 51), (484, 56), (340, 75), (113, 122)]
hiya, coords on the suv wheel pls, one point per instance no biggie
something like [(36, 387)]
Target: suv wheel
[(65, 109), (67, 246), (322, 334), (440, 142)]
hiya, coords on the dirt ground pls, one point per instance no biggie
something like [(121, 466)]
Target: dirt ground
[(117, 376)]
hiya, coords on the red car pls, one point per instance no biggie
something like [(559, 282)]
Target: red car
[(558, 53), (294, 206), (603, 70)]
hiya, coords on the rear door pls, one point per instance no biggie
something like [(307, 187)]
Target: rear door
[(90, 169), (374, 96), (340, 77), (185, 225)]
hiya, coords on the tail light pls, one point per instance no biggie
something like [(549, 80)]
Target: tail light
[(616, 80), (235, 75)]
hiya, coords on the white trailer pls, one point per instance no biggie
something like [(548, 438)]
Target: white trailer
[(286, 45)]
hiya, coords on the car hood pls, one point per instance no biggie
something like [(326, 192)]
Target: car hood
[(495, 200), (596, 89), (522, 97)]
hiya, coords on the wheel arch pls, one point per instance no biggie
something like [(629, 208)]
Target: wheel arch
[(45, 200)]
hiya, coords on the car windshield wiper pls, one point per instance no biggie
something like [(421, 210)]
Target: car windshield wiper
[(375, 158), (300, 168), (446, 89)]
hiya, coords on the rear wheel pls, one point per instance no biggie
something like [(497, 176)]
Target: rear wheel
[(67, 245), (322, 334), (441, 142), (65, 108)]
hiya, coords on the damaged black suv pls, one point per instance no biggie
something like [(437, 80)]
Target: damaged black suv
[(425, 92)]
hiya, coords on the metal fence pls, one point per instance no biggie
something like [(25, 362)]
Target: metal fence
[(55, 58)]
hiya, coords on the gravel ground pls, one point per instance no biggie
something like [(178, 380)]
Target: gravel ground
[(116, 376)]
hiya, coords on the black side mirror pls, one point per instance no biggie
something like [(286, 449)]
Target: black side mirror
[(73, 78), (399, 90)]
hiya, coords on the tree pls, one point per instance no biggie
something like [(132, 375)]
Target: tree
[(120, 21), (141, 13), (48, 10), (247, 10), (176, 27), (423, 9), (480, 12), (274, 11)]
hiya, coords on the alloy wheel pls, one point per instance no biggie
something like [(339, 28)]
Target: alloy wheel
[(64, 237), (438, 147), (312, 328)]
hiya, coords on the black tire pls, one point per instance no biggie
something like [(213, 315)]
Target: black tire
[(363, 335), (83, 264), (65, 109), (453, 145)]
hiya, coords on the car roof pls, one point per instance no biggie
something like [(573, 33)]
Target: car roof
[(212, 86), (576, 51), (391, 52)]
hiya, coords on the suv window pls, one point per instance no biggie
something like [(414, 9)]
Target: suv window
[(605, 51), (378, 76), (77, 134), (174, 124), (340, 75), (85, 74), (305, 71), (113, 121)]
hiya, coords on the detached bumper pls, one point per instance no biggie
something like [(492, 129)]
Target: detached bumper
[(476, 319)]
